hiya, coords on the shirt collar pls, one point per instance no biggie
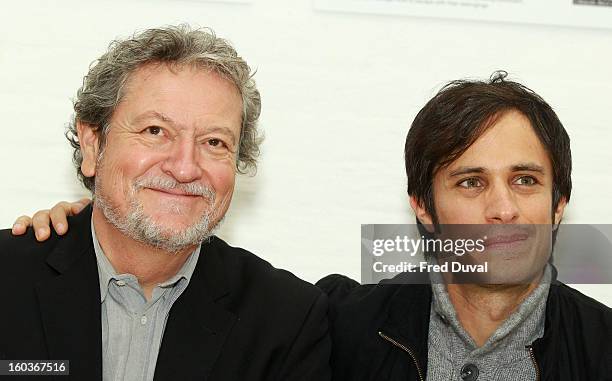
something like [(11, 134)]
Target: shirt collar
[(533, 307), (107, 273), (186, 271)]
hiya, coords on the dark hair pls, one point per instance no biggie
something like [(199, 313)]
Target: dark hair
[(460, 113)]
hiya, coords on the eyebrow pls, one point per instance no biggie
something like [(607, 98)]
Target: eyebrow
[(465, 170), (165, 118), (520, 167), (528, 167), (155, 115)]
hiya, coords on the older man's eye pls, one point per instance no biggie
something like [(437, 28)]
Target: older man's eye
[(154, 130), (215, 142)]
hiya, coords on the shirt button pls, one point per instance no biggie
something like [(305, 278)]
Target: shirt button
[(469, 372), (120, 283), (444, 319), (143, 320)]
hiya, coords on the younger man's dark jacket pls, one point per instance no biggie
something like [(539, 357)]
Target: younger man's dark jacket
[(380, 333), (238, 319)]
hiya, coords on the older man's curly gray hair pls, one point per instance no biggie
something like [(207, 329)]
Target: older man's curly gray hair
[(103, 85)]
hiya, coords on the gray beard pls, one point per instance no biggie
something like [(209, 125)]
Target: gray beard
[(142, 228)]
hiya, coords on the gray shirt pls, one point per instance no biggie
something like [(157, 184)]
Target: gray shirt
[(132, 327), (503, 357)]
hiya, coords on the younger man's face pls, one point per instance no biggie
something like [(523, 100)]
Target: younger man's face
[(505, 177), (501, 187)]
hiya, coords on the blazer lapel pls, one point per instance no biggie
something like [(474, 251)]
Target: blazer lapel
[(197, 326), (70, 303)]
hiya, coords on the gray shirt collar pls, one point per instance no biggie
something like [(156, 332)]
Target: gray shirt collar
[(106, 271), (520, 328)]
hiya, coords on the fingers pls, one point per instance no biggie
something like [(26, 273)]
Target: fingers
[(41, 223), (21, 225), (43, 219), (63, 209), (58, 214), (77, 206)]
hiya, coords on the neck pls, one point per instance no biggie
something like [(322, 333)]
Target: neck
[(482, 308), (150, 265)]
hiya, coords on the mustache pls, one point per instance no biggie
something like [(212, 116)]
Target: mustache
[(167, 183)]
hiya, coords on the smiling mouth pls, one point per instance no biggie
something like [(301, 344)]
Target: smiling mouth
[(505, 241), (173, 192)]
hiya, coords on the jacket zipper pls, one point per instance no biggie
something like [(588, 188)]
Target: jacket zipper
[(405, 349), (535, 363)]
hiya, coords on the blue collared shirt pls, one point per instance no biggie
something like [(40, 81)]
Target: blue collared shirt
[(132, 327)]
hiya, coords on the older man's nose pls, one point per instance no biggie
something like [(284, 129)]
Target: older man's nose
[(183, 161), (501, 205)]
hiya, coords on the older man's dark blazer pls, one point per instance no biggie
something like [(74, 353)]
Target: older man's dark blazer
[(239, 318)]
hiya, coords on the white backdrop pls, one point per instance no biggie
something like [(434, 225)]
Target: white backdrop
[(339, 92)]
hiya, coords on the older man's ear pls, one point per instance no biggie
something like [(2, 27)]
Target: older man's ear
[(42, 220), (90, 147)]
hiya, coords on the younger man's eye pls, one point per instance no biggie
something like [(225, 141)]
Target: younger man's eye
[(470, 183), (526, 180)]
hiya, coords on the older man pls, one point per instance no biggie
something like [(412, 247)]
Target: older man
[(140, 288)]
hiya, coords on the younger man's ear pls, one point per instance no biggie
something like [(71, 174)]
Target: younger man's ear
[(88, 139), (421, 213), (558, 215)]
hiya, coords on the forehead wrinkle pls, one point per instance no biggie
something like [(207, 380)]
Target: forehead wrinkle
[(152, 114)]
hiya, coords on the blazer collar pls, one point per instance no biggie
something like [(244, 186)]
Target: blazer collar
[(199, 323), (197, 326), (70, 302)]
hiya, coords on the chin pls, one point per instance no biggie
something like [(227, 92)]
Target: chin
[(515, 272), (170, 215), (173, 226)]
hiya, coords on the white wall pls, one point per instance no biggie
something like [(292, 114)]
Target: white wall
[(339, 92)]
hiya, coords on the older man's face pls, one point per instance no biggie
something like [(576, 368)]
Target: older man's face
[(166, 175)]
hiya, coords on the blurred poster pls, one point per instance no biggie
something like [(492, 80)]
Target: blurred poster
[(580, 13)]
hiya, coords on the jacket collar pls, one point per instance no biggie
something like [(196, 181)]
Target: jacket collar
[(546, 349), (70, 302), (199, 323), (407, 320), (197, 326)]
